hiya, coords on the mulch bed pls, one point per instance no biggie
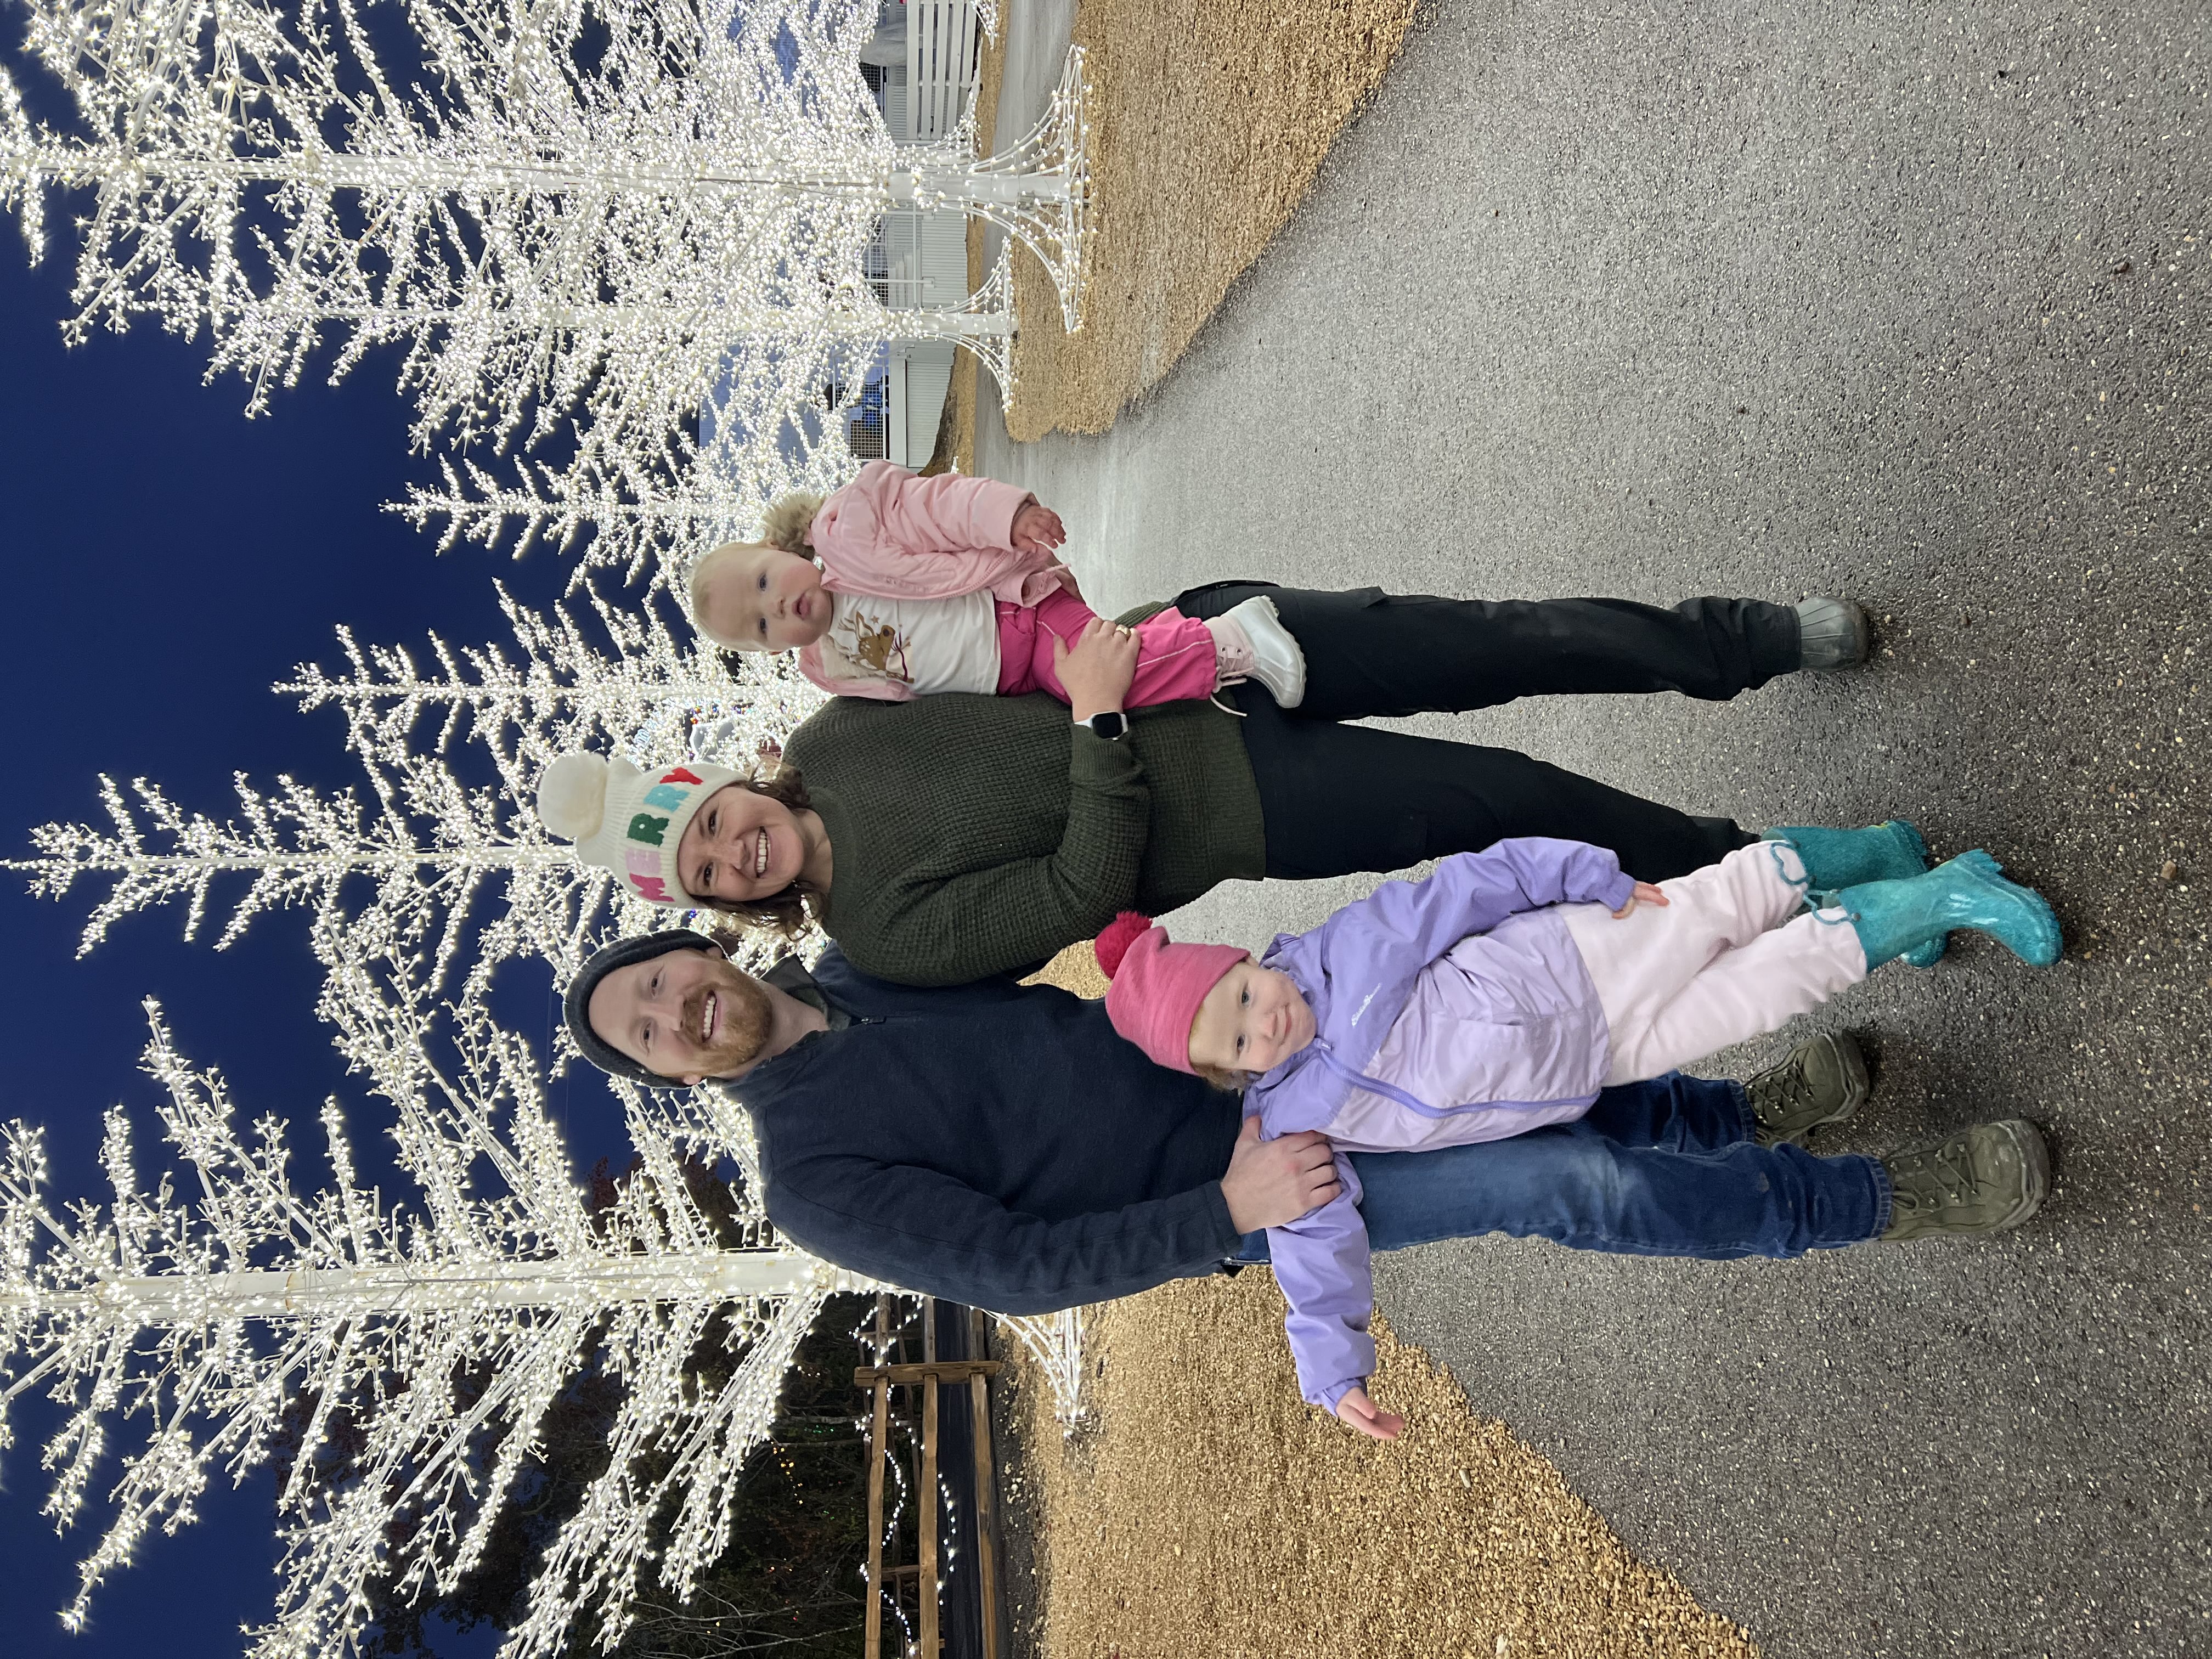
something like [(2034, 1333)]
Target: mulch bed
[(1203, 1508), (1209, 124)]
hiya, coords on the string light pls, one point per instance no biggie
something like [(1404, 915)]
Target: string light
[(499, 1264), (231, 1309), (585, 220)]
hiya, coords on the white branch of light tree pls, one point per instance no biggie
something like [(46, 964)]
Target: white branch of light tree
[(594, 204), (226, 1322)]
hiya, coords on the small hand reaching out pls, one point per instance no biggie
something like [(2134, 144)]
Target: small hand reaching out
[(1645, 893), (1370, 1418), (1037, 529)]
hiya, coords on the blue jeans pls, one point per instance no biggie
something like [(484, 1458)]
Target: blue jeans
[(1663, 1168)]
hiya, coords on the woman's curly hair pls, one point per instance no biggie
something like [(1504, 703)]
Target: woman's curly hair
[(793, 911)]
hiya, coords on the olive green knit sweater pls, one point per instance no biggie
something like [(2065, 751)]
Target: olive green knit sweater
[(971, 835)]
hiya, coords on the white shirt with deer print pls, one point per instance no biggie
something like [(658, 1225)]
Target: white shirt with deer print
[(925, 645)]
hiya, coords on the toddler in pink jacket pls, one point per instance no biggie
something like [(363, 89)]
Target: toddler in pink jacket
[(898, 585)]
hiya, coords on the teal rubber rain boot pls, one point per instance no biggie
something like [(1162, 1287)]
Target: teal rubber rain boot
[(1892, 917), (1836, 859)]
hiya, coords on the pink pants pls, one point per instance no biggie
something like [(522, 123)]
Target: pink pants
[(1721, 962), (1174, 652)]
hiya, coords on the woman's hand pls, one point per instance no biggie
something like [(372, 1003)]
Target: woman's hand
[(1097, 671), (1271, 1183), (1644, 893), (1370, 1418), (1037, 529)]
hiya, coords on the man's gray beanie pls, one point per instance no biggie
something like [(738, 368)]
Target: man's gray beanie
[(576, 1006)]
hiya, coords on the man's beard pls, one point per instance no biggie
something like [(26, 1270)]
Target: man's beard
[(746, 1017)]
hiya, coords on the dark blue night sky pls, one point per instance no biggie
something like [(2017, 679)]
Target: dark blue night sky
[(167, 560)]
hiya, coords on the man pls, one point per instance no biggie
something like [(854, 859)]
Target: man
[(998, 1144)]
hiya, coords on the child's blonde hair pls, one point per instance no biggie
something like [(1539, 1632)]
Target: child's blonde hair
[(789, 519), (784, 527)]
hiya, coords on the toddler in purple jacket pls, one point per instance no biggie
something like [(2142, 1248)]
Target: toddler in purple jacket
[(1501, 994)]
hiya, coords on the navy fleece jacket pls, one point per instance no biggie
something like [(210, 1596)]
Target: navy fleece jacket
[(993, 1143)]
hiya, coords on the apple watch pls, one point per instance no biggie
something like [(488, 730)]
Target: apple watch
[(1111, 725)]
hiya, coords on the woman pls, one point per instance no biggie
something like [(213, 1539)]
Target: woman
[(954, 836)]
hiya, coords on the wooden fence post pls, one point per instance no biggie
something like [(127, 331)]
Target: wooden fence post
[(881, 1379), (876, 1437), (927, 1515), (986, 1514)]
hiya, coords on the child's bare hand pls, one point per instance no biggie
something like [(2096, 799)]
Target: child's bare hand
[(1370, 1418), (1037, 529), (1644, 893)]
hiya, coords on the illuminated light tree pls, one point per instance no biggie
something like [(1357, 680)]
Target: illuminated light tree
[(427, 839), (651, 534), (558, 347), (225, 1323), (646, 693), (269, 178), (648, 510), (224, 1311)]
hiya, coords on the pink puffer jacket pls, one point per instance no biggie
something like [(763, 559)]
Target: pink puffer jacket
[(891, 535)]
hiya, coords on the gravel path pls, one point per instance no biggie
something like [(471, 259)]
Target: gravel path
[(1678, 299)]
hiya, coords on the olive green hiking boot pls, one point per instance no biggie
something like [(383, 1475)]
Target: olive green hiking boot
[(1982, 1180), (1823, 1081)]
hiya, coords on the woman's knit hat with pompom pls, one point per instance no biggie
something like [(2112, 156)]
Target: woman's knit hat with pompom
[(629, 821), (1158, 985)]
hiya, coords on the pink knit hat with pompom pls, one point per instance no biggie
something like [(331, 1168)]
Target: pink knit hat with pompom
[(1158, 985)]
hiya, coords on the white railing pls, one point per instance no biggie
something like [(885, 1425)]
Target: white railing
[(942, 37)]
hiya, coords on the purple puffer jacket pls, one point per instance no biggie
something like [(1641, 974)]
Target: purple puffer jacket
[(1545, 1048)]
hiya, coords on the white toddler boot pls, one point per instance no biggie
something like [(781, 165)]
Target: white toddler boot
[(1251, 643)]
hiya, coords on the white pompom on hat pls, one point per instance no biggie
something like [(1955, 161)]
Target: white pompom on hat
[(572, 796), (629, 821)]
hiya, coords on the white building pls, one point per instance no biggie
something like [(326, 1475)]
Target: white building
[(922, 64)]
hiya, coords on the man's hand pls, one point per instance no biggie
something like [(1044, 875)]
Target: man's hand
[(1370, 1418), (1037, 529), (1645, 893), (1096, 672), (1271, 1183)]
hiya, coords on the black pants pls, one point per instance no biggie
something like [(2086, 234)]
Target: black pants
[(1338, 798)]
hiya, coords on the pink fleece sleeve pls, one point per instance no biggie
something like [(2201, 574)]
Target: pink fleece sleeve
[(950, 512), (895, 535)]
